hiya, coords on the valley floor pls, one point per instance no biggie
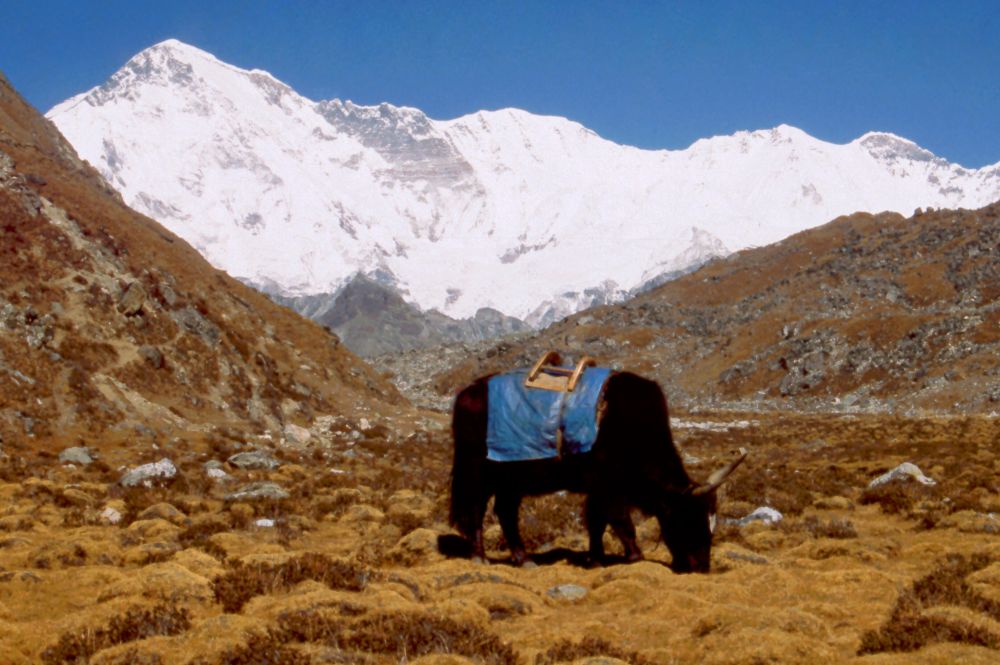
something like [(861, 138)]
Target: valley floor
[(346, 569)]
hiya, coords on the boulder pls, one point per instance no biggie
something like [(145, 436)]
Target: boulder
[(258, 490), (254, 459), (764, 514), (297, 435), (164, 511), (566, 592), (147, 473), (213, 469), (81, 455), (132, 299), (110, 515), (904, 472)]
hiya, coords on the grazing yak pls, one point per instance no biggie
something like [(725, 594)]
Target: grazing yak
[(632, 463)]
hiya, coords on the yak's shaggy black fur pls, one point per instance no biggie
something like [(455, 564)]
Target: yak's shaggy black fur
[(633, 464)]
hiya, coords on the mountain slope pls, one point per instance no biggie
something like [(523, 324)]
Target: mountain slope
[(500, 209), (372, 319), (867, 312), (110, 322)]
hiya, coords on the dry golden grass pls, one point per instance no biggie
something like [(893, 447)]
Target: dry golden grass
[(350, 572), (246, 580), (909, 629), (135, 624)]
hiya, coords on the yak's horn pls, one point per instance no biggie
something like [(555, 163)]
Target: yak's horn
[(719, 477)]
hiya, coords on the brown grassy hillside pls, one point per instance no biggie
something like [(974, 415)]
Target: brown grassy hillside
[(867, 312), (109, 323)]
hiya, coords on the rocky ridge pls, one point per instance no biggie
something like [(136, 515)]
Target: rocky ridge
[(110, 323), (866, 313), (372, 319)]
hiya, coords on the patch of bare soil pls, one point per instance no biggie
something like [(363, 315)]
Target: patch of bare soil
[(335, 557)]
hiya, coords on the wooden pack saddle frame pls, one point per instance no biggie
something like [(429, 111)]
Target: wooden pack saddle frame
[(549, 374)]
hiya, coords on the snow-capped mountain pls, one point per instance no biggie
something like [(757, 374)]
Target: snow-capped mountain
[(531, 215)]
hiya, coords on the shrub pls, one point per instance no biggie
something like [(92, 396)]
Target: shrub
[(896, 497), (260, 650), (567, 650), (199, 532), (411, 634), (246, 580), (135, 624), (399, 635), (834, 528), (908, 630)]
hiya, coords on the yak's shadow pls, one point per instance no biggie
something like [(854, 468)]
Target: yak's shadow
[(457, 547)]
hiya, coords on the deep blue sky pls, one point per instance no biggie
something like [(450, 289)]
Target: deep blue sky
[(655, 75)]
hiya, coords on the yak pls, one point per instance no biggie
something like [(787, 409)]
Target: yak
[(633, 464)]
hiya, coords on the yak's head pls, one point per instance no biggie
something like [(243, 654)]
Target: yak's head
[(688, 519)]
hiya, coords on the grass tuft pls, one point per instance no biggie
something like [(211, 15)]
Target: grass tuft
[(135, 624), (246, 580), (908, 629), (897, 497), (588, 647), (407, 635), (261, 650)]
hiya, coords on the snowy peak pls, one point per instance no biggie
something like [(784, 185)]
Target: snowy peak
[(889, 149), (166, 64), (529, 215), (404, 137)]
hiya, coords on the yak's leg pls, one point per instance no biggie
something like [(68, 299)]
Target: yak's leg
[(596, 516), (478, 551), (507, 506), (621, 523)]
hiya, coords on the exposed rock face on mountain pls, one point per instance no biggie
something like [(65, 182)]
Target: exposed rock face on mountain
[(108, 321), (869, 312), (532, 216), (372, 319)]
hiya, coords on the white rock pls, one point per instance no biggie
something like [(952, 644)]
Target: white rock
[(904, 472), (264, 523), (144, 474), (764, 514), (111, 516), (296, 434), (567, 592)]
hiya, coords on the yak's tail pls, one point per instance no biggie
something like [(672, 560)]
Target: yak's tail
[(468, 488)]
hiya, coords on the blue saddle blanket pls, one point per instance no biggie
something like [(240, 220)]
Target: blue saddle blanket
[(526, 423)]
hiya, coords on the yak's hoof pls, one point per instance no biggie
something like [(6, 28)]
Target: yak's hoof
[(518, 559), (478, 559), (633, 557)]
